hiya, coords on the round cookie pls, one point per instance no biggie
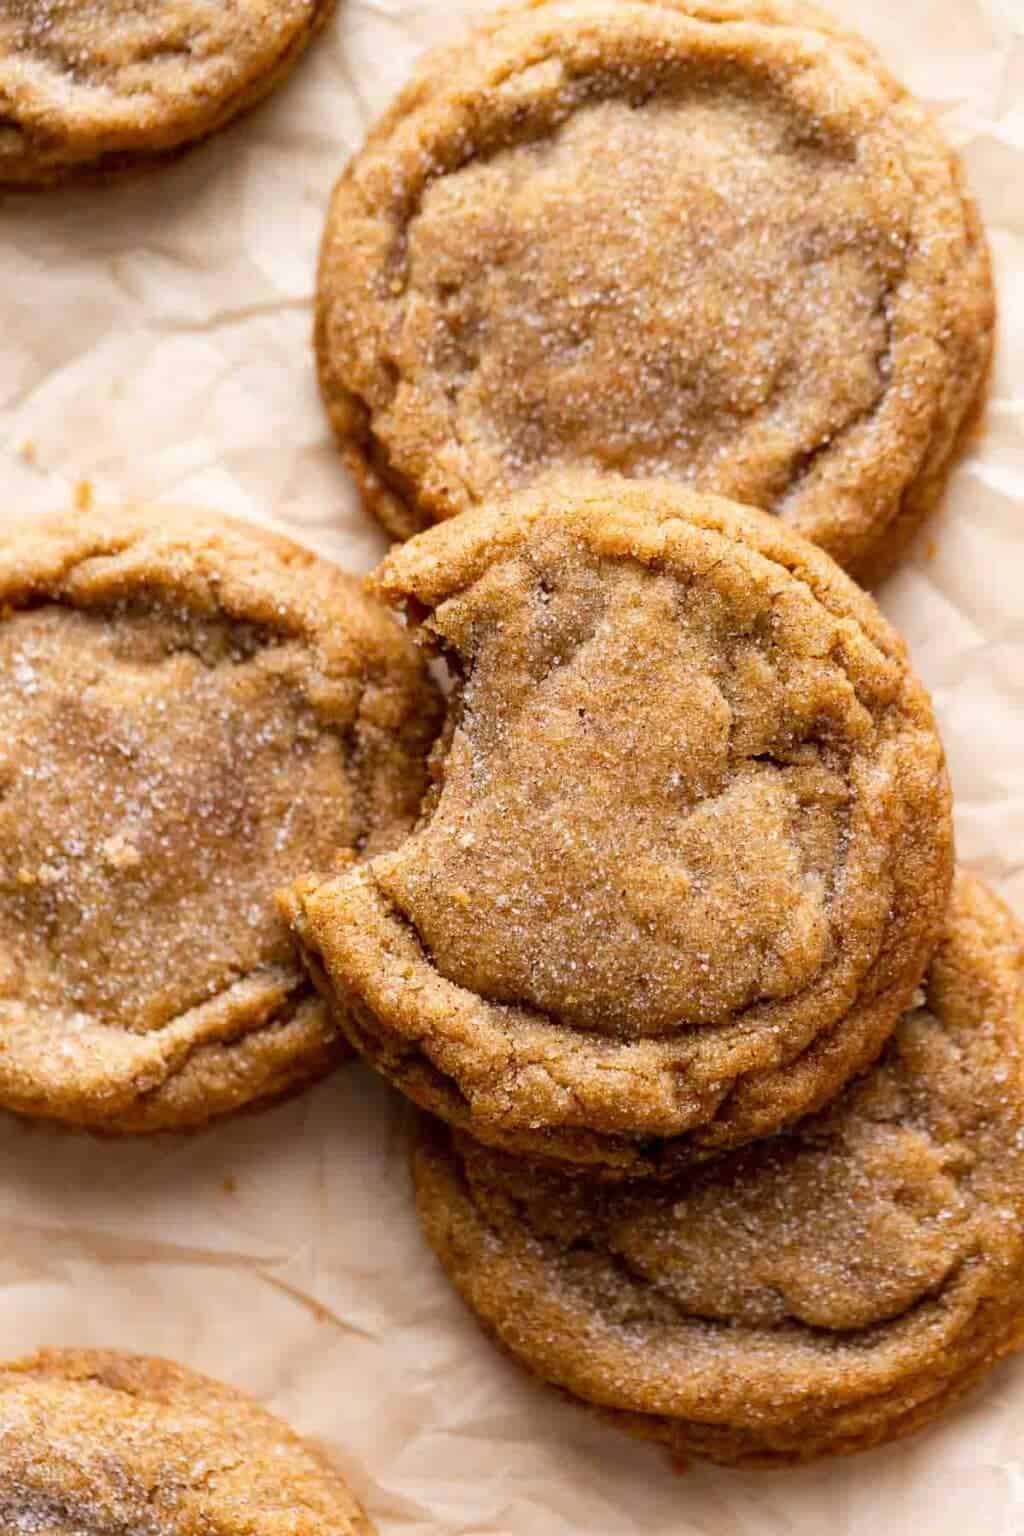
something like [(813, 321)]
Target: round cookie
[(91, 86), (824, 1291), (713, 242), (689, 850), (191, 711), (100, 1442)]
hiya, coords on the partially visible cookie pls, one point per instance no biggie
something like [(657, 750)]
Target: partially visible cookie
[(689, 850), (714, 242), (821, 1292), (99, 1442), (90, 86), (191, 711)]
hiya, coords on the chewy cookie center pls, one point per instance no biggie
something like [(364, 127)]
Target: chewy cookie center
[(839, 1236), (645, 800), (159, 774), (843, 1224), (693, 285)]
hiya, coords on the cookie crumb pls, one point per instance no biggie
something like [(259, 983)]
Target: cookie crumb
[(119, 853)]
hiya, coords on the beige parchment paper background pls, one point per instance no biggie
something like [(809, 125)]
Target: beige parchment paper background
[(155, 341)]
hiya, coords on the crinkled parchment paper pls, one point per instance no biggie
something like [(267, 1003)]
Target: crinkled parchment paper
[(155, 341)]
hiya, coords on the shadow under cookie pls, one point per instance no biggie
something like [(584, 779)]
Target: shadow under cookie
[(91, 1440), (664, 238), (822, 1292), (90, 89), (190, 712), (689, 846)]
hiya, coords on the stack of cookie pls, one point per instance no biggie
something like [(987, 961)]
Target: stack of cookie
[(720, 1153), (723, 1068), (654, 914)]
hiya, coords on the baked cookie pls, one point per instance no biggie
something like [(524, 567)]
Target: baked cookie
[(191, 711), (706, 240), (91, 1441), (689, 851), (90, 86), (824, 1291)]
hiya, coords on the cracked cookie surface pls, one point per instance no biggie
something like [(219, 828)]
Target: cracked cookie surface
[(89, 86), (191, 711), (100, 1444), (674, 238), (823, 1291), (689, 848)]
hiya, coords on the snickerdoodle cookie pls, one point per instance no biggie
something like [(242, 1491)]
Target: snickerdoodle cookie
[(89, 86), (191, 711), (108, 1443), (689, 850), (708, 240), (824, 1291)]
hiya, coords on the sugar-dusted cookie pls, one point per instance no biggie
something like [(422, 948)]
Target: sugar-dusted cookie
[(191, 711), (709, 241), (689, 850), (824, 1291), (95, 1441), (90, 86)]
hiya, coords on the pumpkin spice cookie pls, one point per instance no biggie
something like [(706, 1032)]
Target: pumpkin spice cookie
[(90, 86), (824, 1291), (93, 1441), (689, 850), (191, 711), (707, 241)]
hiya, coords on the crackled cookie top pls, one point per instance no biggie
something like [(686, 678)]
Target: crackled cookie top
[(712, 243), (92, 84), (822, 1291), (691, 826), (190, 713), (99, 1444)]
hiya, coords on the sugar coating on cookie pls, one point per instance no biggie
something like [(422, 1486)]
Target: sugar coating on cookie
[(191, 712), (97, 1441), (824, 1291), (689, 848), (716, 243), (97, 85)]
